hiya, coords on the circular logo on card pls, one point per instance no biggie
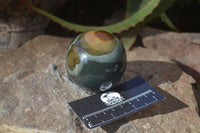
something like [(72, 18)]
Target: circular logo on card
[(111, 98)]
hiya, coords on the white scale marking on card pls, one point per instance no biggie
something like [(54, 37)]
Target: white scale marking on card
[(128, 98)]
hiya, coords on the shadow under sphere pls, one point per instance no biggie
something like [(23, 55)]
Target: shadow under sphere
[(155, 73)]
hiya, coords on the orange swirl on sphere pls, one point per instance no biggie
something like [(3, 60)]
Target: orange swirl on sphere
[(72, 58), (98, 42)]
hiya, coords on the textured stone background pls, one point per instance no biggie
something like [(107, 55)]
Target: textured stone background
[(19, 24), (182, 47), (34, 92)]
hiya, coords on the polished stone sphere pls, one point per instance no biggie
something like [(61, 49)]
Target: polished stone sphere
[(95, 60)]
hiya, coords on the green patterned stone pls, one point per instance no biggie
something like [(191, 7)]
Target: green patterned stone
[(95, 60)]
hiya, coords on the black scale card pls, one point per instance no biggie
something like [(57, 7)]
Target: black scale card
[(125, 99)]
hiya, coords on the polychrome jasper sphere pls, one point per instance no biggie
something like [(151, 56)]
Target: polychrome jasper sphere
[(95, 60)]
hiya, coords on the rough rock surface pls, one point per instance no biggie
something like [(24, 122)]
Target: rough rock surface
[(178, 112), (19, 24), (34, 92), (182, 47)]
